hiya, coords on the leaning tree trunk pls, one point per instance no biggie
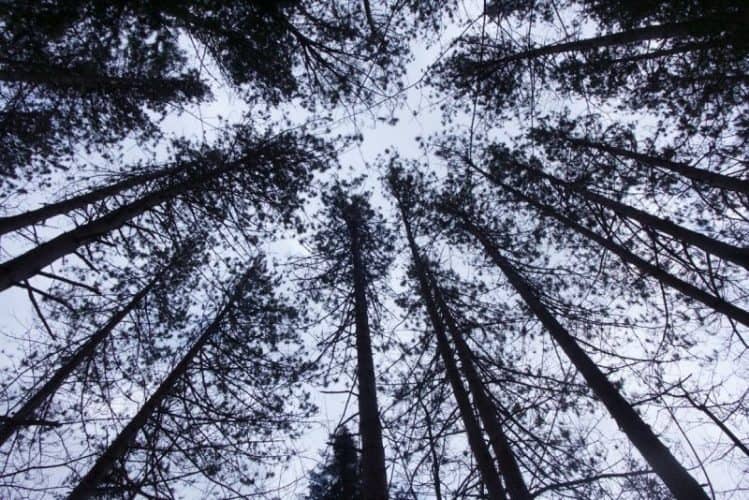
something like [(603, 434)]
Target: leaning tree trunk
[(714, 302), (27, 265), (436, 482), (694, 27), (374, 472), (83, 353), (88, 485), (489, 475), (716, 180), (672, 473), (508, 464), (59, 77), (715, 247), (15, 222)]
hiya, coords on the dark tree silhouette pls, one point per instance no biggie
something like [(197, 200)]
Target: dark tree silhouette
[(338, 478)]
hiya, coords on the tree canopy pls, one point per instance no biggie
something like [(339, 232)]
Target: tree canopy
[(480, 249)]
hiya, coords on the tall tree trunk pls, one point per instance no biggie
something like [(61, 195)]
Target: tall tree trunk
[(15, 222), (707, 177), (374, 472), (508, 464), (674, 475), (716, 303), (489, 475), (436, 482), (715, 247), (28, 264), (83, 353), (60, 77), (694, 27), (88, 485)]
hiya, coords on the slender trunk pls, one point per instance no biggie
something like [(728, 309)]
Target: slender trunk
[(88, 485), (433, 452), (721, 425), (676, 49), (716, 303), (674, 475), (84, 352), (374, 472), (26, 265), (58, 77), (713, 179), (489, 475), (694, 27), (507, 462), (370, 18), (15, 222), (720, 249)]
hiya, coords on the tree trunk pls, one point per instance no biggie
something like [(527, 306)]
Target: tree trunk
[(674, 475), (694, 27), (374, 472), (26, 265), (15, 222), (508, 464), (713, 179), (720, 249), (88, 485), (59, 77), (83, 353), (489, 475), (433, 452), (716, 303)]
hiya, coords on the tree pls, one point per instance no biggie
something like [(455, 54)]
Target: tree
[(164, 281), (90, 74), (673, 474), (264, 174), (715, 302), (700, 177), (352, 257), (205, 394), (566, 261), (696, 55), (404, 191), (339, 478)]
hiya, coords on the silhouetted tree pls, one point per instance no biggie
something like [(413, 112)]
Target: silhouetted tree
[(338, 478)]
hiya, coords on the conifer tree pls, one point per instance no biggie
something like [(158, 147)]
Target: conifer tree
[(338, 478), (215, 413), (671, 472), (404, 190), (351, 260), (263, 175)]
